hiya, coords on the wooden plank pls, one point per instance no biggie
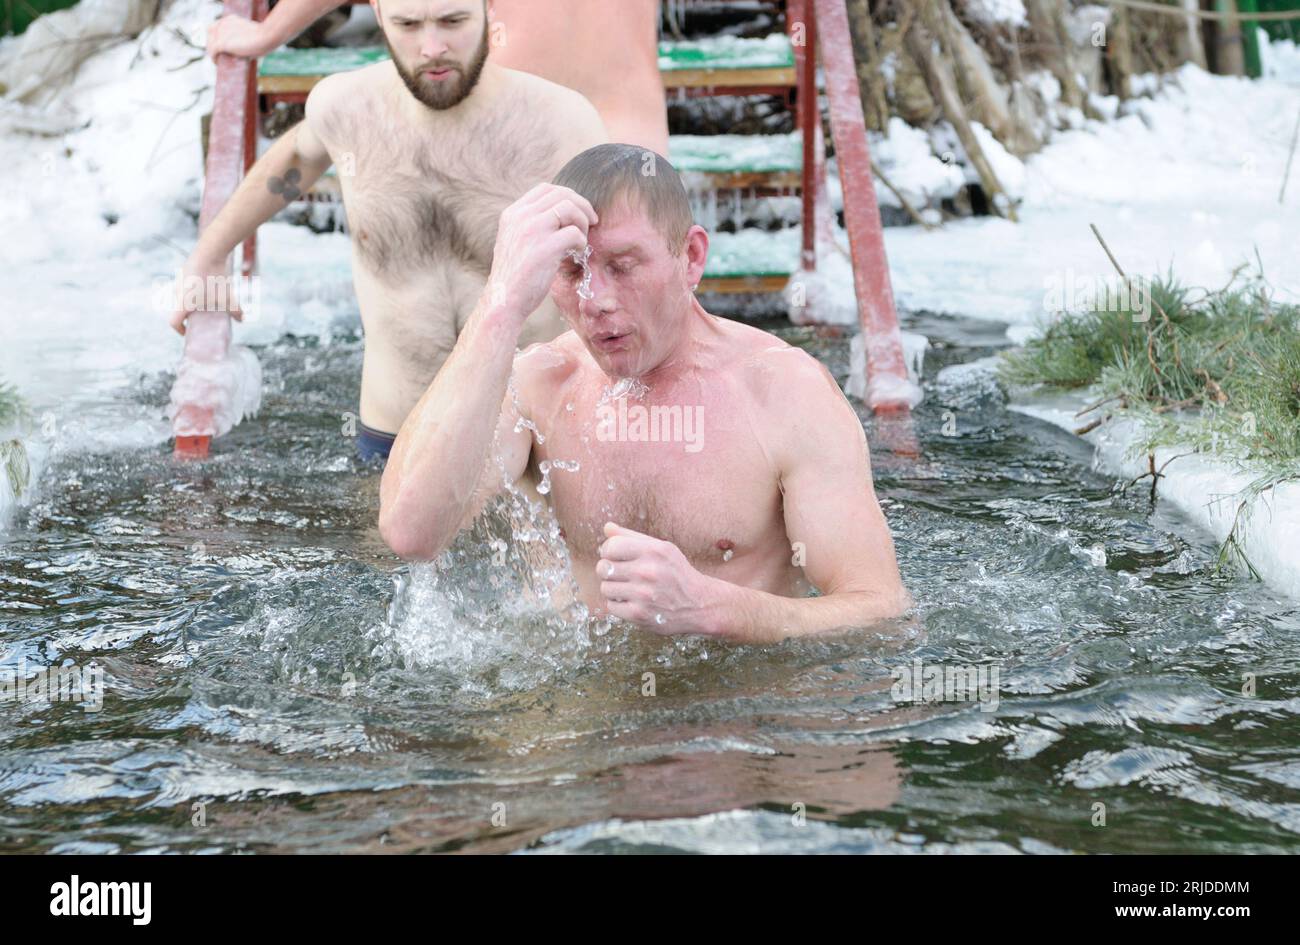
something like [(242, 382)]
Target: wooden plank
[(742, 284), (287, 84), (730, 78)]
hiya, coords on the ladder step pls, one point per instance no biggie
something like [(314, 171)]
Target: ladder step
[(720, 154), (751, 260), (729, 61), (290, 71), (716, 61), (729, 161)]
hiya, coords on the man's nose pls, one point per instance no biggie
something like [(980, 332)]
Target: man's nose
[(432, 44), (602, 300)]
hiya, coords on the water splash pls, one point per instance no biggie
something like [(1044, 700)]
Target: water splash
[(584, 287), (567, 465), (631, 387), (522, 423)]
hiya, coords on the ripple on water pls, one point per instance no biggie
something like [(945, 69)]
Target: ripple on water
[(268, 658)]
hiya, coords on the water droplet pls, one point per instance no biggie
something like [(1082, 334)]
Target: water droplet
[(726, 555), (631, 387), (659, 619), (584, 287)]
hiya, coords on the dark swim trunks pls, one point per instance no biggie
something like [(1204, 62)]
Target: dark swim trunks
[(372, 443)]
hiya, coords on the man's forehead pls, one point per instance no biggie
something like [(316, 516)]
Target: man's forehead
[(428, 9), (621, 227)]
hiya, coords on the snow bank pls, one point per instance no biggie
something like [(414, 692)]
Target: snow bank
[(1188, 178), (1279, 60), (1206, 490), (908, 160)]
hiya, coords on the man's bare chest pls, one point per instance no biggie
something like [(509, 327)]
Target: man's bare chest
[(675, 471), (414, 200)]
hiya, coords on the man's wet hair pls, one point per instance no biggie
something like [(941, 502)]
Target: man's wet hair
[(609, 173)]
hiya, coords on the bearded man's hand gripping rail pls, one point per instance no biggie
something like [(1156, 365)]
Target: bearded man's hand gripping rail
[(441, 470)]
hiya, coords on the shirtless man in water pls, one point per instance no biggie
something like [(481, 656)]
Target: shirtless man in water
[(431, 147), (715, 527)]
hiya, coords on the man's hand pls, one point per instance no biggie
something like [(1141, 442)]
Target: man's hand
[(238, 37), (204, 287), (650, 583), (536, 233)]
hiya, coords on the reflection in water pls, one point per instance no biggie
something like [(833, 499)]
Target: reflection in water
[(277, 682)]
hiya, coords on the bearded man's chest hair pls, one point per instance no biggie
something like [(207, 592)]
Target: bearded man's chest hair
[(434, 198)]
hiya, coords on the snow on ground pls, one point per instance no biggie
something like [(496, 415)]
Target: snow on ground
[(1189, 178), (1005, 12), (1280, 60)]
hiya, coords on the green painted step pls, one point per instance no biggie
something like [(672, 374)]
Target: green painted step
[(753, 253), (17, 15), (729, 154), (727, 52), (320, 60), (720, 52)]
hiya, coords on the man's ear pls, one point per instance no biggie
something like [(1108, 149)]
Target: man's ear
[(697, 253)]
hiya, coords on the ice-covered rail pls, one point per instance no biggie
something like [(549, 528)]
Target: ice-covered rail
[(216, 383)]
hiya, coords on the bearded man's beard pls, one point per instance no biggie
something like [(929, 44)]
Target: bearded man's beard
[(446, 93)]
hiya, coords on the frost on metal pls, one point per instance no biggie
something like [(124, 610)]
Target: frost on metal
[(883, 388), (217, 384)]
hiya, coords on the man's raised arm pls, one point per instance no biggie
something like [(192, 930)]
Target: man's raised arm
[(292, 165), (240, 36), (440, 471)]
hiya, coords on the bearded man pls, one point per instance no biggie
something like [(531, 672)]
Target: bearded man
[(431, 147)]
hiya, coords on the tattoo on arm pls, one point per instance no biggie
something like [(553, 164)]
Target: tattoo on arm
[(286, 186)]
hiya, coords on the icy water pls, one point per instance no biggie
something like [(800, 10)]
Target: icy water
[(278, 682)]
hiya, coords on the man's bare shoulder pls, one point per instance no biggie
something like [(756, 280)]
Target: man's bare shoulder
[(788, 387), (761, 358), (541, 369), (570, 108), (536, 87), (346, 99)]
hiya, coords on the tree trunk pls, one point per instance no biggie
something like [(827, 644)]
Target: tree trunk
[(1119, 52), (1229, 58), (1192, 47), (943, 87), (1047, 19), (871, 78)]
